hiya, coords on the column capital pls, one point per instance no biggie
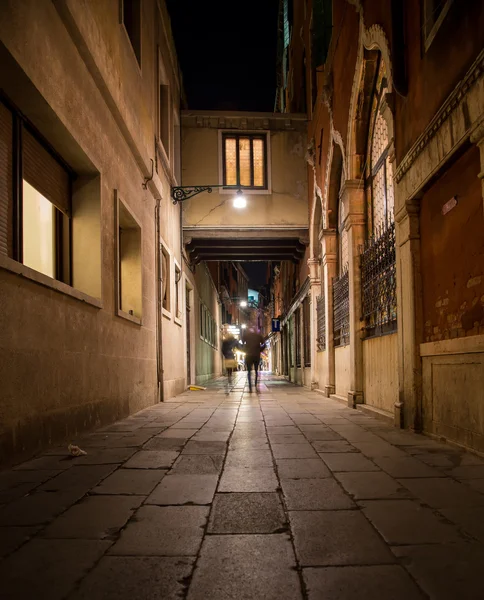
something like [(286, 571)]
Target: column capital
[(329, 246), (313, 264)]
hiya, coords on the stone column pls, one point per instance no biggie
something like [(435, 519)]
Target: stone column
[(315, 291), (353, 194), (330, 258), (408, 410)]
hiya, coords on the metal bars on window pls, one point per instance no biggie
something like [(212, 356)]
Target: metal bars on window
[(341, 309), (379, 282), (321, 318)]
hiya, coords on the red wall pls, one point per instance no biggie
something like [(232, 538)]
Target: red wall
[(452, 248)]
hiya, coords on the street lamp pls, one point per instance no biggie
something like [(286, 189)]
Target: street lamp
[(240, 200), (180, 193), (244, 326), (243, 304)]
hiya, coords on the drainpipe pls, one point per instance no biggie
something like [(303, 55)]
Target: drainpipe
[(159, 300)]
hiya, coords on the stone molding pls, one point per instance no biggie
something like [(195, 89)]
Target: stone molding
[(246, 121), (372, 38), (450, 119)]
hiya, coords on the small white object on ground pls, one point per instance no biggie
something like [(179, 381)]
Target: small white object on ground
[(76, 451)]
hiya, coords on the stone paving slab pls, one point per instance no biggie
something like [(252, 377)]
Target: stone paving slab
[(315, 494), (342, 537), (48, 569), (95, 517), (152, 459), (184, 489), (138, 482), (256, 512), (362, 583), (245, 496), (415, 524), (163, 531), (249, 567), (136, 577), (243, 479)]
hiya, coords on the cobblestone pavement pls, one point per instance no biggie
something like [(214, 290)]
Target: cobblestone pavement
[(280, 495)]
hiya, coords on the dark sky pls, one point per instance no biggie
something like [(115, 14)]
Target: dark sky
[(257, 272), (227, 52)]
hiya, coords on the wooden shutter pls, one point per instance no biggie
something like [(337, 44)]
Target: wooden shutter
[(6, 181), (45, 173)]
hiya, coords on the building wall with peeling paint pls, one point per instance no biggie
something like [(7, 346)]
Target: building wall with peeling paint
[(452, 246)]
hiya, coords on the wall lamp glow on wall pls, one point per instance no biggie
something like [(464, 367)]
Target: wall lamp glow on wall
[(181, 193)]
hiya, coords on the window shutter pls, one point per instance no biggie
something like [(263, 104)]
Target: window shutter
[(6, 181), (45, 173)]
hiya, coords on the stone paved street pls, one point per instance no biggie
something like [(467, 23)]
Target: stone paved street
[(281, 495)]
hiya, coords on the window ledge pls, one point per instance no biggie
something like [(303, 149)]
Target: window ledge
[(23, 271), (166, 313), (128, 317), (178, 321)]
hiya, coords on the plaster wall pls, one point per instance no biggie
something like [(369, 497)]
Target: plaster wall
[(453, 390), (342, 370), (285, 203), (380, 372), (67, 361)]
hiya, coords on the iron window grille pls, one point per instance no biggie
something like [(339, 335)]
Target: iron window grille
[(321, 316), (379, 282), (341, 306), (244, 160), (297, 329), (307, 331)]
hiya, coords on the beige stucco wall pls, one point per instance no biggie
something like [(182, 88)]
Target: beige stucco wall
[(284, 205), (67, 364), (342, 370), (453, 390), (380, 372)]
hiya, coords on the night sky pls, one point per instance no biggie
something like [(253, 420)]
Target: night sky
[(227, 52)]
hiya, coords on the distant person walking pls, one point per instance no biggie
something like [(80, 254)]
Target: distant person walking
[(253, 347), (230, 363)]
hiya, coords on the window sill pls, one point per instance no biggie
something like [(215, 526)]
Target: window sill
[(178, 321), (31, 274), (246, 191), (166, 314), (128, 317)]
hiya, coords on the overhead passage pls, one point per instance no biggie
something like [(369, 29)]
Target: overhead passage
[(245, 248)]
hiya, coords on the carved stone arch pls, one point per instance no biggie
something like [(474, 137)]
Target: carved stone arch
[(317, 224), (336, 141), (335, 176), (372, 43)]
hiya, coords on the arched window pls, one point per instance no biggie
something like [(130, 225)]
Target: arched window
[(343, 240), (377, 260), (379, 171)]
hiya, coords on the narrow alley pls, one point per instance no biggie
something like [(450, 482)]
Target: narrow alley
[(280, 495)]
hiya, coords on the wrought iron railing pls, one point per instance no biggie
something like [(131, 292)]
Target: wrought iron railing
[(341, 309), (379, 282), (321, 316)]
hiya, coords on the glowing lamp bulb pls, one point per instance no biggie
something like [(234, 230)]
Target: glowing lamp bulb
[(240, 200), (243, 304)]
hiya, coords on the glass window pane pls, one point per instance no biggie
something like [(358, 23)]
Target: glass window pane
[(378, 200), (38, 231), (380, 139), (390, 193), (244, 161), (230, 162), (258, 156)]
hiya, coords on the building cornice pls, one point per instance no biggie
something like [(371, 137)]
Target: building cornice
[(449, 106), (246, 121)]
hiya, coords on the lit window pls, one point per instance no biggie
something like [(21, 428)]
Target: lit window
[(129, 263), (244, 160), (38, 228), (380, 180), (40, 238), (131, 18)]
